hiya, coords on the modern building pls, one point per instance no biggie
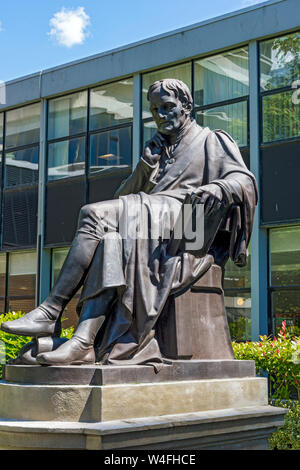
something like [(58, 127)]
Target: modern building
[(69, 135)]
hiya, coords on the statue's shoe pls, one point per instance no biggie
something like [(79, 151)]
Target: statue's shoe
[(35, 323), (73, 352)]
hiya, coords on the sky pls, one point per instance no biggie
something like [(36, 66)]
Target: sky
[(36, 35)]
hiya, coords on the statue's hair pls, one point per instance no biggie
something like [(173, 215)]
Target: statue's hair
[(180, 90)]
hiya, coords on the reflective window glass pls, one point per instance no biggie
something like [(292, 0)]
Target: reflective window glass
[(110, 149), (236, 277), (22, 272), (231, 118), (149, 129), (69, 317), (281, 117), (280, 61), (286, 307), (67, 115), (1, 130), (221, 77), (111, 104), (66, 158), (285, 256), (22, 126), (238, 309), (2, 281), (180, 72), (22, 167), (58, 258)]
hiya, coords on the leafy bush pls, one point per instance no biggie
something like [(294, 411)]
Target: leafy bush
[(279, 357), (10, 345), (287, 437)]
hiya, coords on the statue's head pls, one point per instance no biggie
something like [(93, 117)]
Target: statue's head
[(171, 104)]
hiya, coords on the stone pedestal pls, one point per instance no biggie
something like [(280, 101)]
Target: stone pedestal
[(192, 404)]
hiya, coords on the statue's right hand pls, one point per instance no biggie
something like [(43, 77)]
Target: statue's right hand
[(153, 149)]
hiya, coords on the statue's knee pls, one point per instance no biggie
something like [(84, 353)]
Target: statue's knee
[(86, 212)]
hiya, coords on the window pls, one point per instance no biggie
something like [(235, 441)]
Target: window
[(221, 77), (21, 281), (2, 281), (66, 158), (111, 105), (1, 130), (69, 316), (21, 172), (22, 134), (110, 124), (232, 118), (237, 282), (279, 78), (22, 126), (285, 277), (221, 93), (67, 118), (110, 149)]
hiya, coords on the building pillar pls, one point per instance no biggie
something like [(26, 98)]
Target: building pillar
[(136, 132), (259, 239), (43, 255)]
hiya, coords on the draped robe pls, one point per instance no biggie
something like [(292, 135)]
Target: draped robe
[(141, 269)]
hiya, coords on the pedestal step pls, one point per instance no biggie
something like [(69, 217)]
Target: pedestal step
[(85, 403), (240, 429)]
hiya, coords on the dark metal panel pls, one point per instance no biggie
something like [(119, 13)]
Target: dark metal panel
[(20, 218), (104, 186), (246, 156), (280, 187), (64, 198)]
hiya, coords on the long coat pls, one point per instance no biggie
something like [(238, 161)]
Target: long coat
[(143, 269)]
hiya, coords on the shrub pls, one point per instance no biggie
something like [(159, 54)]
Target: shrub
[(10, 345), (279, 357), (287, 437)]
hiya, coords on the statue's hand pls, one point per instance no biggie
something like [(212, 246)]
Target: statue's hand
[(153, 149), (210, 195)]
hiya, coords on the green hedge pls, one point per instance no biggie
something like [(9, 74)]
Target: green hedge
[(10, 345), (277, 357)]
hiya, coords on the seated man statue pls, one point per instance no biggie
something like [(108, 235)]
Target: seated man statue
[(127, 279)]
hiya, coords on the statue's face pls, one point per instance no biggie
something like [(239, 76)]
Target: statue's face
[(168, 111)]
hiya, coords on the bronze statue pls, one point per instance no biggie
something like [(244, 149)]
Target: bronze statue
[(127, 279)]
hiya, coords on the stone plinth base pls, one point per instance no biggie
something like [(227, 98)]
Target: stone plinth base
[(241, 429), (186, 405)]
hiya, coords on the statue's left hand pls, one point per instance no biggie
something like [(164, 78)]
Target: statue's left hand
[(210, 195)]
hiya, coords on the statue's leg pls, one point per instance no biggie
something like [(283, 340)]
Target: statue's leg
[(80, 348), (94, 221)]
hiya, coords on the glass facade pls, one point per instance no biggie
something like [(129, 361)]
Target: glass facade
[(69, 317), (66, 158), (67, 116), (285, 277), (221, 77), (232, 118), (19, 188), (21, 281), (279, 75), (237, 289)]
